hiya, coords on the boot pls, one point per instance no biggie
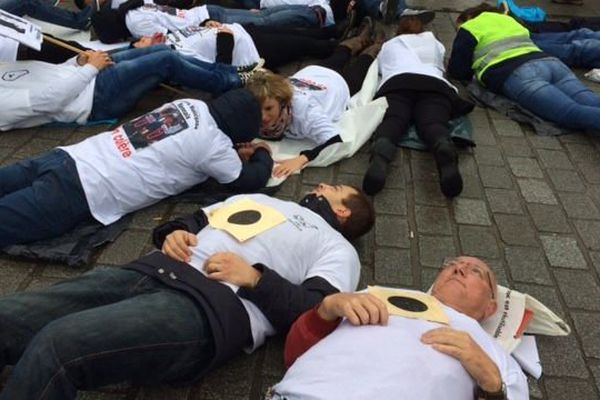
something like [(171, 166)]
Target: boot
[(378, 41), (382, 153), (446, 159), (245, 72), (363, 39)]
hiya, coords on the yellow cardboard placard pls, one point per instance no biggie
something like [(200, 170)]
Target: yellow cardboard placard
[(429, 308), (245, 219)]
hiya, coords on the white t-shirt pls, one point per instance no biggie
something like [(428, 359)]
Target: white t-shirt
[(329, 19), (8, 49), (34, 93), (303, 247), (320, 98), (201, 43), (412, 53), (391, 362), (157, 155), (151, 18)]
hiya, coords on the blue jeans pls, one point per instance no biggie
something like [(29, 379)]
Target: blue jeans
[(548, 88), (45, 11), (578, 48), (288, 15), (40, 198), (371, 7), (137, 71), (105, 326)]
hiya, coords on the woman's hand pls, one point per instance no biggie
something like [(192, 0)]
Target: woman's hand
[(288, 167)]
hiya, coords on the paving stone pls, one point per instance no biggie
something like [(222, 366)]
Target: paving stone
[(235, 379), (525, 167), (548, 218), (560, 389), (560, 356), (423, 169), (366, 247), (589, 232), (429, 193), (596, 372), (392, 267), (164, 392), (433, 220), (290, 186), (587, 326), (349, 179), (496, 177), (391, 231), (563, 251), (579, 206), (35, 147), (516, 147), (471, 187), (526, 264), (9, 283), (504, 201), (471, 212), (433, 249), (579, 289), (499, 269), (583, 153), (356, 164), (507, 128), (535, 191), (535, 392), (483, 135), (428, 276), (488, 155), (17, 138), (467, 165), (516, 230), (544, 142), (566, 181), (126, 248), (551, 159), (390, 202), (150, 217), (314, 176), (590, 172), (478, 241)]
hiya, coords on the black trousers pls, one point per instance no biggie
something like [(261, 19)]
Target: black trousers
[(353, 72), (430, 111)]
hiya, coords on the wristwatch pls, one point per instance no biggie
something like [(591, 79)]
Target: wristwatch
[(499, 395)]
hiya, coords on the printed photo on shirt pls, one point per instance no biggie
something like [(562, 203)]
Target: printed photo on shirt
[(192, 30), (155, 126), (305, 84)]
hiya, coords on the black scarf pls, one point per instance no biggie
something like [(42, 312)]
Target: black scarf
[(321, 206)]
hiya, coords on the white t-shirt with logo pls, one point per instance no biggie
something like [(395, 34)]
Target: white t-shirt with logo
[(418, 53), (320, 98), (391, 362), (201, 43), (329, 19), (151, 18), (34, 93), (303, 247), (157, 155), (8, 49)]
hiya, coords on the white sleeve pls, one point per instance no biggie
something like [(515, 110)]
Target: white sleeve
[(224, 164), (315, 124), (57, 94), (141, 23), (338, 264)]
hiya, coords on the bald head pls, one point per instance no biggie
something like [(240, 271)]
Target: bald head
[(468, 285)]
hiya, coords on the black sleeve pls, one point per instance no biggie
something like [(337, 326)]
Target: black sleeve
[(281, 301), (461, 59), (255, 172), (313, 153), (224, 48), (192, 223)]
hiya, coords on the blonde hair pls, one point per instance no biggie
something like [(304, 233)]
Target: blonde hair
[(265, 84)]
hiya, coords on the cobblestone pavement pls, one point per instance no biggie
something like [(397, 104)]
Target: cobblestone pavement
[(530, 207)]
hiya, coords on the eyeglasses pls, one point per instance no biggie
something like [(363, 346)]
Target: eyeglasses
[(472, 269)]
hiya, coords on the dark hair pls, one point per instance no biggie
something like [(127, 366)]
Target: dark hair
[(109, 25), (410, 24), (362, 215), (474, 12)]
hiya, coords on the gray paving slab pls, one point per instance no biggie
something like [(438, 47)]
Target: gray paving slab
[(530, 208)]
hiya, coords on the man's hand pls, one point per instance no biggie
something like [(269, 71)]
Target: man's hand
[(247, 150), (177, 245), (288, 167), (231, 268), (358, 308), (98, 59), (147, 41), (225, 29), (213, 24), (461, 346)]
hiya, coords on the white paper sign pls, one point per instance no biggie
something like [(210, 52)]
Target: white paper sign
[(21, 30)]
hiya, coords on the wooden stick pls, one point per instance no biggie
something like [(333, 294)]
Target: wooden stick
[(79, 51)]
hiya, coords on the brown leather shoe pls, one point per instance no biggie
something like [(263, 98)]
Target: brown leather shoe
[(378, 41), (363, 39)]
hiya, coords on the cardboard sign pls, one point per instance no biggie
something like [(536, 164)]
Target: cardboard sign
[(411, 304), (21, 30), (245, 219)]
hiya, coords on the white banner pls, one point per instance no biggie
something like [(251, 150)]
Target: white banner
[(21, 30)]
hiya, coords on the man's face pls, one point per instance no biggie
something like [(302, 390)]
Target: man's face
[(335, 194), (465, 284)]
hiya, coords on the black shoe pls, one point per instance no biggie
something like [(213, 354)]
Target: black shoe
[(374, 179), (245, 72), (446, 159)]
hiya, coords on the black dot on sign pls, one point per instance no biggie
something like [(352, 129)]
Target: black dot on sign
[(408, 303), (247, 217)]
